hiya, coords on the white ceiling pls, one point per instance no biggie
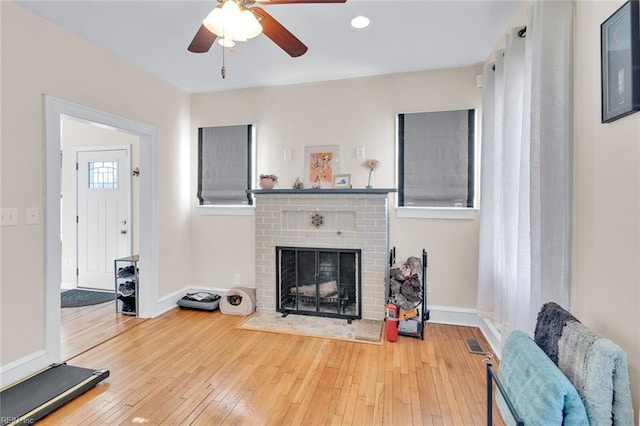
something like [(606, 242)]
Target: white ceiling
[(403, 36)]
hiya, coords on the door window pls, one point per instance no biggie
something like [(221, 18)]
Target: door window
[(103, 175)]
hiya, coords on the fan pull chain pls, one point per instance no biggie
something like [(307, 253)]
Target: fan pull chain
[(223, 70)]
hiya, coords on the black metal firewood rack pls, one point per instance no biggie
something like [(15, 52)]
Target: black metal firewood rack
[(423, 311)]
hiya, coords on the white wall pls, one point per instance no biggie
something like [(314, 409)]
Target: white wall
[(39, 58), (606, 274), (348, 113)]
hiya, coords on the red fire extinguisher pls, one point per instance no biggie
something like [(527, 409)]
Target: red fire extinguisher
[(392, 310), (392, 322)]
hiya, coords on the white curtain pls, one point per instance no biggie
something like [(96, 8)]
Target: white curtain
[(526, 182)]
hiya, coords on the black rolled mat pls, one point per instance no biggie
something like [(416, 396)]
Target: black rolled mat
[(34, 397)]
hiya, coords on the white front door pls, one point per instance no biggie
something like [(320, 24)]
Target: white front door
[(103, 215)]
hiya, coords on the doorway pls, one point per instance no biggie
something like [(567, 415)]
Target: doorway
[(55, 111)]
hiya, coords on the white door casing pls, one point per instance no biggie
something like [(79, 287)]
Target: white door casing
[(103, 214)]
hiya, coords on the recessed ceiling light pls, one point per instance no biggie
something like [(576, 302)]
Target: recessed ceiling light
[(360, 22)]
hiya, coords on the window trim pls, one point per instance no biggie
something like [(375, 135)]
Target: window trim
[(473, 168), (229, 210), (465, 213)]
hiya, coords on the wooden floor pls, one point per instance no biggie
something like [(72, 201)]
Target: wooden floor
[(85, 327), (192, 367)]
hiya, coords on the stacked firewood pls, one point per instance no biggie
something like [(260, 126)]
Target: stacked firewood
[(326, 289), (406, 284)]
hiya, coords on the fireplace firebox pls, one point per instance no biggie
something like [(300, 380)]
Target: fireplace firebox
[(318, 281)]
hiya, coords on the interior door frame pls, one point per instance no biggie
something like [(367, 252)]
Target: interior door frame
[(76, 232), (54, 110)]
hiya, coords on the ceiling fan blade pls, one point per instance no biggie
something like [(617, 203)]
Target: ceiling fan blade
[(202, 41), (279, 34), (298, 1)]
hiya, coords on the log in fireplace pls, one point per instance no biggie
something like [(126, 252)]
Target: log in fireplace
[(318, 281)]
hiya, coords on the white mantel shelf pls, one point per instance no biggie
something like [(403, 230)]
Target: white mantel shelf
[(354, 191)]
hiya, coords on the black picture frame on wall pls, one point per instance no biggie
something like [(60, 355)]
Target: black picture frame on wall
[(620, 60)]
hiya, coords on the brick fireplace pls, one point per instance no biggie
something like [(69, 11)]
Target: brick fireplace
[(324, 218)]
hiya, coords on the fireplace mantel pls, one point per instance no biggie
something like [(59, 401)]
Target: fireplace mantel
[(355, 191)]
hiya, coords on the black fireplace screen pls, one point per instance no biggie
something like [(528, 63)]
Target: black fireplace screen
[(322, 282)]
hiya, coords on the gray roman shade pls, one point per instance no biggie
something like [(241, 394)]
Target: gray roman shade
[(224, 159), (436, 159)]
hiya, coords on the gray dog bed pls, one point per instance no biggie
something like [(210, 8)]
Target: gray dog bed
[(201, 300)]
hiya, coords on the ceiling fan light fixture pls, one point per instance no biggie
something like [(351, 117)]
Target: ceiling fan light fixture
[(249, 24), (226, 42), (360, 22), (232, 21), (230, 9), (214, 22)]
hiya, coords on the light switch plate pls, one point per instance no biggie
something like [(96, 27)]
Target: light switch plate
[(8, 217)]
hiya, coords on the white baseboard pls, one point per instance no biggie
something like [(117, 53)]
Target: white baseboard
[(453, 316), (492, 335), (467, 317), (23, 367)]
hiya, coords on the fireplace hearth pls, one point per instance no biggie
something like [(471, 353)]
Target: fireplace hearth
[(318, 281)]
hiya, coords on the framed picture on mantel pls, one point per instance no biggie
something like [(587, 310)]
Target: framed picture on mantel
[(320, 165), (620, 61), (342, 181)]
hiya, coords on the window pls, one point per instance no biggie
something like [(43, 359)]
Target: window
[(436, 153), (103, 175), (224, 165)]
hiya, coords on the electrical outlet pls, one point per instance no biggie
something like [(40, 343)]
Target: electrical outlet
[(236, 279), (8, 217), (33, 216)]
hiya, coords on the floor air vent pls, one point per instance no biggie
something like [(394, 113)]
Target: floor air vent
[(474, 346)]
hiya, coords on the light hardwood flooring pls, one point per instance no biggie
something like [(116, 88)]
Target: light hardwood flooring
[(86, 327), (192, 367)]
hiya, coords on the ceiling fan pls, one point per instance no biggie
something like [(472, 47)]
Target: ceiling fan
[(237, 20)]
